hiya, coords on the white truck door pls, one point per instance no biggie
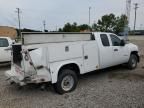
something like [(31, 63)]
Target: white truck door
[(120, 53), (91, 60), (105, 50), (5, 55)]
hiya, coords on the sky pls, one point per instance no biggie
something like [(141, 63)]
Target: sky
[(58, 12)]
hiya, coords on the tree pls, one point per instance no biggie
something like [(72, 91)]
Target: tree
[(106, 23), (121, 23), (83, 27), (45, 30), (74, 27), (94, 27), (110, 23), (67, 27), (60, 30)]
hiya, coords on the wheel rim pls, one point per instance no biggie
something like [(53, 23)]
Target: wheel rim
[(67, 83), (133, 63)]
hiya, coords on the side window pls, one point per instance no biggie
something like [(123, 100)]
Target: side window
[(115, 40), (104, 40), (3, 42)]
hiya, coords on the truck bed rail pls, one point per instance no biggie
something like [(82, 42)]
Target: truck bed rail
[(53, 37)]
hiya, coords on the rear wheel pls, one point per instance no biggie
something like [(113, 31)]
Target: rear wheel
[(132, 63), (67, 81)]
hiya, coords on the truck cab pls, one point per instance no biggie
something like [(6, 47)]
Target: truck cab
[(5, 55), (113, 50)]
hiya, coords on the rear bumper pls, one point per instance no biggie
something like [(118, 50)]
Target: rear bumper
[(13, 79)]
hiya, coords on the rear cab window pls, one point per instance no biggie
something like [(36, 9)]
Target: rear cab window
[(104, 40), (4, 42)]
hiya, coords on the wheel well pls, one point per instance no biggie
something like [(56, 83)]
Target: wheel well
[(136, 53), (71, 66)]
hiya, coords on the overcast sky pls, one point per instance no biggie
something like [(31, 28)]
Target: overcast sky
[(58, 12)]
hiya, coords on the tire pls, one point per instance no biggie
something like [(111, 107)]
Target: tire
[(67, 81), (132, 63)]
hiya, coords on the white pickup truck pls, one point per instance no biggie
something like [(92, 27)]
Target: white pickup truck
[(5, 55), (60, 57)]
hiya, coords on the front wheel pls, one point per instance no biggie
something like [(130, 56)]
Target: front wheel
[(67, 81), (132, 63)]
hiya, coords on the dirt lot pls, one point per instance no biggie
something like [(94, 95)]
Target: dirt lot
[(115, 87)]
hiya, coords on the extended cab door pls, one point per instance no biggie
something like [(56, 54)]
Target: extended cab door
[(105, 51), (120, 53)]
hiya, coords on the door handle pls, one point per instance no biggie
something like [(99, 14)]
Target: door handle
[(115, 49), (85, 57)]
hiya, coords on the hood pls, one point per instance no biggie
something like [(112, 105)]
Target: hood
[(132, 47)]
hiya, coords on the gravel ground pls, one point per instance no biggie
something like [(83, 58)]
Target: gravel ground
[(138, 37), (115, 87)]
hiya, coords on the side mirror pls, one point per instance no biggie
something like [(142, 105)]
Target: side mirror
[(13, 41), (122, 43)]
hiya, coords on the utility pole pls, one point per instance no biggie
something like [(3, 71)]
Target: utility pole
[(44, 25), (89, 17), (56, 29), (128, 10), (136, 7), (127, 20), (19, 22)]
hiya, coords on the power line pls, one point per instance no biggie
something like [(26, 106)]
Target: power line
[(9, 21), (135, 8)]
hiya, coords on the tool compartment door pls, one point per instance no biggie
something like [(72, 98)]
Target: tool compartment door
[(91, 56), (65, 51)]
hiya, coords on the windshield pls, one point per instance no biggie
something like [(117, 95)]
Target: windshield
[(3, 42)]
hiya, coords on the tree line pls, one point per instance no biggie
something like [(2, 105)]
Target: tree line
[(107, 23)]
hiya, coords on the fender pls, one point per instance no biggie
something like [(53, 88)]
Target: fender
[(56, 66)]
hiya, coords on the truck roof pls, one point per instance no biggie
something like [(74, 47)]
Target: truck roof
[(5, 37), (102, 33)]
